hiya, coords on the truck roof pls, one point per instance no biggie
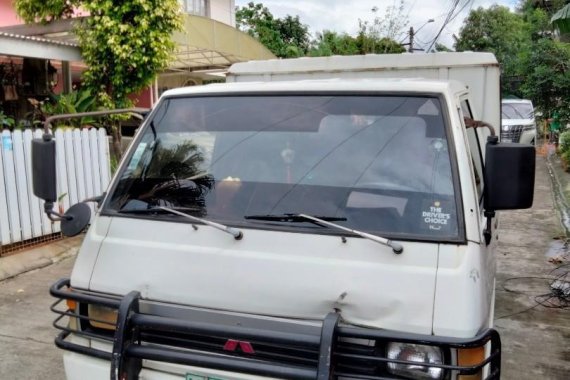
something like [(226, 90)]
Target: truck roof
[(365, 63), (396, 85)]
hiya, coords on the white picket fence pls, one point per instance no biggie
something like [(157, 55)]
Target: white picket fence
[(83, 171)]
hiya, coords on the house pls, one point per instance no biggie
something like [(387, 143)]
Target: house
[(49, 54)]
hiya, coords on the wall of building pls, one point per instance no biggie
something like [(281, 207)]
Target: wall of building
[(220, 10), (8, 15), (223, 11)]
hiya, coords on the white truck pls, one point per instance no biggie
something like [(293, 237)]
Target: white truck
[(339, 228)]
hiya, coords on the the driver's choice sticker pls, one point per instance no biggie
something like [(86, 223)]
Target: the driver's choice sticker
[(438, 216)]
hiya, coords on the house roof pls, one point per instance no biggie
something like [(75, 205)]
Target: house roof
[(204, 44), (37, 47)]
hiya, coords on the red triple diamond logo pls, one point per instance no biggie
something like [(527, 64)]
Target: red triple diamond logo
[(245, 347)]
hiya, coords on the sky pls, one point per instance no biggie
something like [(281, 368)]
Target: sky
[(343, 15)]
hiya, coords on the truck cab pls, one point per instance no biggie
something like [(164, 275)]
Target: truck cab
[(309, 229)]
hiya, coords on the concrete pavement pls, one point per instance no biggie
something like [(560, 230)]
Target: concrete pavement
[(536, 342), (27, 350), (38, 257)]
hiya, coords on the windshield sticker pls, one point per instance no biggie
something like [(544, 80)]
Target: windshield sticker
[(437, 216), (191, 376), (137, 156)]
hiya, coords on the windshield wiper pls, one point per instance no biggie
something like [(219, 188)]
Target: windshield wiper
[(396, 247), (291, 218), (237, 234), (326, 220)]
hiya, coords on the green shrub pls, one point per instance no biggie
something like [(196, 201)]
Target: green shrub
[(564, 146), (566, 160), (74, 102)]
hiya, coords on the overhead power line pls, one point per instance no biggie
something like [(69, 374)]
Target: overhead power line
[(445, 22)]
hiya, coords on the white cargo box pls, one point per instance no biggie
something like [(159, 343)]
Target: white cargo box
[(480, 72)]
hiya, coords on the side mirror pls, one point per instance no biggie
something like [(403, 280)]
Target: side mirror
[(509, 176), (45, 187), (75, 219), (43, 169)]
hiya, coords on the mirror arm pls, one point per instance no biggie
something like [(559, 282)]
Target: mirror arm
[(52, 215), (97, 199), (487, 232), (470, 123)]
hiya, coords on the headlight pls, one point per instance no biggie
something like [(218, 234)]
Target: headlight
[(505, 128), (102, 317), (416, 353)]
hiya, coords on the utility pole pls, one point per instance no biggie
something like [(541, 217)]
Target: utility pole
[(411, 45)]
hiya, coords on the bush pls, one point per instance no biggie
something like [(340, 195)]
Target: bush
[(565, 158), (564, 146)]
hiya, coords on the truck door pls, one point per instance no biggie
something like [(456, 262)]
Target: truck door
[(477, 139)]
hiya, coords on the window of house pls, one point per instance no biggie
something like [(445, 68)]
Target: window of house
[(196, 7)]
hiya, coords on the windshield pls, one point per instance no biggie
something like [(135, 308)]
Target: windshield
[(379, 163), (517, 111)]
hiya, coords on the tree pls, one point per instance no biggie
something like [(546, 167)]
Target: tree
[(547, 81), (285, 38), (387, 26), (330, 43), (495, 30), (294, 33), (288, 37), (123, 43), (442, 47), (377, 36), (550, 7)]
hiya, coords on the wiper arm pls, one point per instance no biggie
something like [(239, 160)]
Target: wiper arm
[(291, 218), (396, 247), (237, 234)]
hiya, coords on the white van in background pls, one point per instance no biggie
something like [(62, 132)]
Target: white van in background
[(518, 124)]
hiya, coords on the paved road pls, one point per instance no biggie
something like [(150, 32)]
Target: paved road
[(26, 336), (536, 343)]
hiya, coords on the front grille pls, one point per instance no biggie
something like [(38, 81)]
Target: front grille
[(331, 351), (514, 133)]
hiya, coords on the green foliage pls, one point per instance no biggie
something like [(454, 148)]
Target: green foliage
[(375, 37), (526, 6), (294, 33), (566, 158), (537, 23), (497, 30), (564, 146), (123, 43), (6, 121), (331, 43), (368, 44), (533, 65), (442, 47), (286, 37), (74, 102), (45, 11), (547, 80)]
